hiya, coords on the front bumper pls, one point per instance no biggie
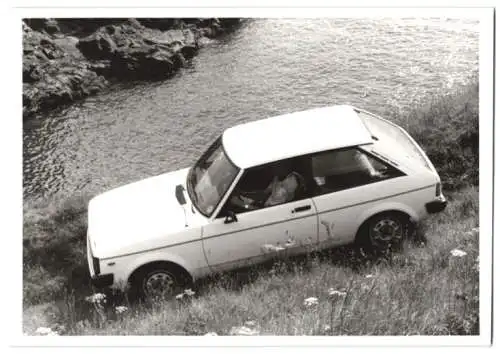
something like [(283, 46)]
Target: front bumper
[(102, 281), (97, 280), (436, 206)]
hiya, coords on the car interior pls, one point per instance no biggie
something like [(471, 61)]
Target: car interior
[(318, 174)]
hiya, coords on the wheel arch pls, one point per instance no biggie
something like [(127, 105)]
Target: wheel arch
[(147, 261), (178, 269), (397, 208)]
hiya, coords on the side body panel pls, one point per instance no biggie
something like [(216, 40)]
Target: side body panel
[(259, 235)]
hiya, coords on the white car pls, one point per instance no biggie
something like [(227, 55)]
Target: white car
[(284, 185)]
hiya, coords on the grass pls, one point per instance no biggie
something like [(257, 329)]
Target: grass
[(447, 127), (421, 290)]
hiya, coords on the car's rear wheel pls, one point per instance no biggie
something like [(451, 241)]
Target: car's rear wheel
[(384, 232)]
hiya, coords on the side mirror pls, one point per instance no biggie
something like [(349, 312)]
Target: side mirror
[(230, 217)]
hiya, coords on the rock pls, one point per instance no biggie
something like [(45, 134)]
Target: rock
[(53, 76), (69, 45), (40, 44), (37, 24), (99, 45), (229, 22), (81, 27), (49, 25), (68, 59), (162, 24), (139, 53)]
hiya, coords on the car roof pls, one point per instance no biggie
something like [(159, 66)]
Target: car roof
[(294, 134)]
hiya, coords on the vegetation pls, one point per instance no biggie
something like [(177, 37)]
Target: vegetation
[(430, 287), (447, 127)]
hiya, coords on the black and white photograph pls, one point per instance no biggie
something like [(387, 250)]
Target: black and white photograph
[(301, 174)]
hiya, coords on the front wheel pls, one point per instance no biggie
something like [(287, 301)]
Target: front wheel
[(156, 283)]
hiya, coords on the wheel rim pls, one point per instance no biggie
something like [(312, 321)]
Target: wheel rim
[(386, 231), (159, 284)]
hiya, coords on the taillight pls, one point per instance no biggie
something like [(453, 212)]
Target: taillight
[(438, 189)]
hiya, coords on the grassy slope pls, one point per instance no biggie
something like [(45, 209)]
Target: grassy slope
[(422, 290)]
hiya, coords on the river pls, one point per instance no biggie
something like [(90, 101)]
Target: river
[(266, 67)]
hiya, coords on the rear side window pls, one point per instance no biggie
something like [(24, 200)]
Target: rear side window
[(337, 170), (386, 131)]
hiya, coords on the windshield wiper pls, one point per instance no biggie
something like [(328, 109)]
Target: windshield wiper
[(189, 184)]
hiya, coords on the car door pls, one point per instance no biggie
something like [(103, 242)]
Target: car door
[(349, 181), (259, 233)]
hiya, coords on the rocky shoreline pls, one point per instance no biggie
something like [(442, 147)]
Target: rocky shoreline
[(65, 60)]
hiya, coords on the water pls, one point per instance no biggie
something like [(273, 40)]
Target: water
[(267, 67)]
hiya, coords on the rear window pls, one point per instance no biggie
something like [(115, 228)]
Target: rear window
[(386, 132)]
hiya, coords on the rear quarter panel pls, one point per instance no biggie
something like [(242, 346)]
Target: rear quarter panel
[(345, 211)]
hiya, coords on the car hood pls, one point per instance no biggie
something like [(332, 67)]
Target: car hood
[(137, 216)]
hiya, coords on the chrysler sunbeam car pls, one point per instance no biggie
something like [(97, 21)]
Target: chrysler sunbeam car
[(289, 184)]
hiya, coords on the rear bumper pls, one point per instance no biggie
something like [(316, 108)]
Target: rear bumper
[(436, 206), (102, 281)]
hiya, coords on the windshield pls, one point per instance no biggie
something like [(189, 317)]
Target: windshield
[(210, 177)]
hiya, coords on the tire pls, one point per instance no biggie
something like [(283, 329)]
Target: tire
[(383, 232), (157, 282)]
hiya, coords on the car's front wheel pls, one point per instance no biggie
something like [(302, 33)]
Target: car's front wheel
[(384, 232), (157, 282)]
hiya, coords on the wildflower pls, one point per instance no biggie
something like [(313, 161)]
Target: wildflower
[(250, 323), (120, 309), (290, 243), (311, 301), (271, 248), (96, 298), (458, 253), (267, 248), (210, 334), (45, 331), (335, 294), (187, 292), (368, 276), (243, 331), (82, 324)]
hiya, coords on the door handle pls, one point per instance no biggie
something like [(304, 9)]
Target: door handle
[(301, 208)]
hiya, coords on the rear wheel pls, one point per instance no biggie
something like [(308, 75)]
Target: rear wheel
[(383, 232)]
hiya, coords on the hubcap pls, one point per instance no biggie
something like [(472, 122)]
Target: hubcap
[(159, 284), (386, 231)]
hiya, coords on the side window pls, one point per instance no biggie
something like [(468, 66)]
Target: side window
[(268, 185), (337, 170)]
